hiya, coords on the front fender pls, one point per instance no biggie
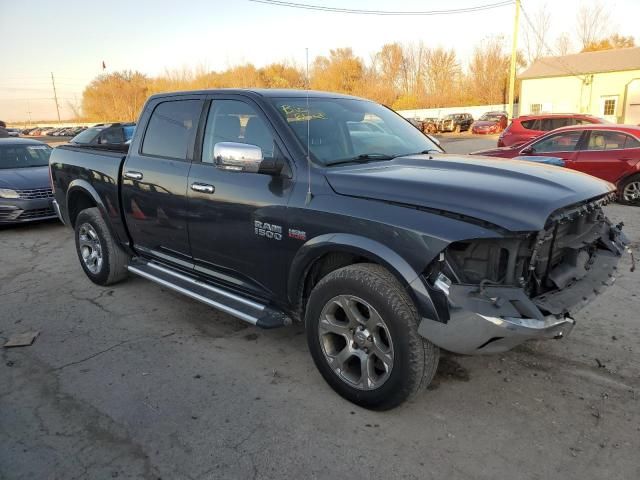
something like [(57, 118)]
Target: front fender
[(367, 248)]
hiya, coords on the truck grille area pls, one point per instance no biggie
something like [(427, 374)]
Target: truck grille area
[(540, 262), (565, 250)]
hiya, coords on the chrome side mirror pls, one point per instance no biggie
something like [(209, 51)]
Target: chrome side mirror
[(243, 157), (237, 157)]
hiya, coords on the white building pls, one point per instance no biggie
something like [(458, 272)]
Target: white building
[(604, 83)]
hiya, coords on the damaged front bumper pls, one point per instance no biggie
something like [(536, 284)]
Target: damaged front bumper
[(493, 319)]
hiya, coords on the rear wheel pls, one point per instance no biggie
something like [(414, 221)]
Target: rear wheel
[(362, 331), (102, 260), (629, 191)]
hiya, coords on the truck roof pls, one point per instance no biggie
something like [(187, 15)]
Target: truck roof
[(262, 92)]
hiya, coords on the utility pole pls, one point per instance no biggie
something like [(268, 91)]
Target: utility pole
[(55, 96), (512, 70)]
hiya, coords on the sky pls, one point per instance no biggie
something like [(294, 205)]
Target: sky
[(73, 38)]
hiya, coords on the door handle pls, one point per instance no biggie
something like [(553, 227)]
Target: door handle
[(202, 188), (133, 175)]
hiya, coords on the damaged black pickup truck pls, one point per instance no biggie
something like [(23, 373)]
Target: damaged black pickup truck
[(280, 206)]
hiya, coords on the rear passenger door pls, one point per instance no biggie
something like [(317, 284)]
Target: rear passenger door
[(154, 179), (608, 154)]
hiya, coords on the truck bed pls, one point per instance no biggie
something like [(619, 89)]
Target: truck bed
[(96, 170)]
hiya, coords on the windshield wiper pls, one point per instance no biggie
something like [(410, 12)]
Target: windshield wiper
[(363, 158), (423, 152)]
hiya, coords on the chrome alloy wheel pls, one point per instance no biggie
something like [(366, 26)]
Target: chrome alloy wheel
[(631, 191), (356, 342), (90, 248)]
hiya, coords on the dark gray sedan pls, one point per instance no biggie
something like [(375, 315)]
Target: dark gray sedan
[(25, 190)]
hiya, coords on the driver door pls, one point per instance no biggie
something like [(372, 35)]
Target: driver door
[(563, 145), (225, 205)]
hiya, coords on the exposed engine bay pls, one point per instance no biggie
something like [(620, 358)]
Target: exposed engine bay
[(575, 241)]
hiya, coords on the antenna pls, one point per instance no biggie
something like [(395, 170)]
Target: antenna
[(309, 194)]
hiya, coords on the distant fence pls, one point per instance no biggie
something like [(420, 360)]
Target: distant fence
[(476, 111)]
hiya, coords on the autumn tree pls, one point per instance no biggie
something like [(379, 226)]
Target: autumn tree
[(442, 77), (488, 76), (280, 75), (610, 43), (341, 72), (116, 96)]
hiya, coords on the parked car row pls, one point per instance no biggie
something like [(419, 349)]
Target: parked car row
[(488, 123), (52, 131)]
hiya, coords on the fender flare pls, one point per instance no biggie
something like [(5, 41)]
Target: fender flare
[(85, 187), (365, 247)]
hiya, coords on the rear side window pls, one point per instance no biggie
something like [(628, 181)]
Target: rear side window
[(528, 124), (632, 143), (171, 128), (605, 140)]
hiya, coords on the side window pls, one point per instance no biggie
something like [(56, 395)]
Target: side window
[(604, 140), (527, 124), (632, 142), (112, 136), (560, 122), (560, 142), (547, 124), (238, 122), (171, 129)]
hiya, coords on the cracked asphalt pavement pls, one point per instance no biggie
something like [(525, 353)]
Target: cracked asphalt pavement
[(134, 381)]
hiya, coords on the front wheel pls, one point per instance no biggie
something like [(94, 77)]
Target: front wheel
[(362, 331), (629, 192), (101, 258)]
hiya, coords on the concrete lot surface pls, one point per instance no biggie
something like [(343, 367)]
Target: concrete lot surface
[(134, 381)]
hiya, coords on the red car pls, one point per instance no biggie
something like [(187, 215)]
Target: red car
[(490, 122), (610, 152), (527, 127)]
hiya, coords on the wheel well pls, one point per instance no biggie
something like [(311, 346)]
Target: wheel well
[(320, 268), (79, 200)]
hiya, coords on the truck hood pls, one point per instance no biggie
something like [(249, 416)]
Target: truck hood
[(24, 178), (515, 195)]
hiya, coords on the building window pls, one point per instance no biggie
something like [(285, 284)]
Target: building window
[(535, 108), (609, 106)]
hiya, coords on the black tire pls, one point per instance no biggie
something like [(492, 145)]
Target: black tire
[(415, 359), (113, 265), (624, 185)]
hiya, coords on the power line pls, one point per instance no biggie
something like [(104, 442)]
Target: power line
[(322, 8)]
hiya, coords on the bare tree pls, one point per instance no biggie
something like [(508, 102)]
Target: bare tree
[(563, 44), (593, 22), (536, 33)]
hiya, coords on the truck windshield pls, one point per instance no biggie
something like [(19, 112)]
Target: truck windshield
[(24, 156), (341, 130)]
